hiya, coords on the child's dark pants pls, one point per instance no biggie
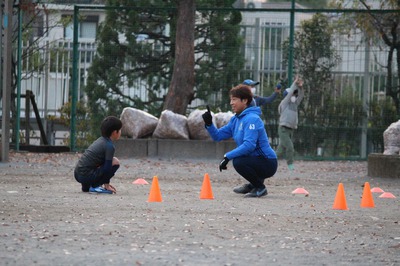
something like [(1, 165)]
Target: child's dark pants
[(97, 178)]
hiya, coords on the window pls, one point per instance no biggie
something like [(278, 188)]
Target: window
[(87, 28), (275, 34)]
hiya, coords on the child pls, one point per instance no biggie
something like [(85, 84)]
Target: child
[(288, 119), (98, 165)]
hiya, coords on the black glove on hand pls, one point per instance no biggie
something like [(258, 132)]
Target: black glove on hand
[(207, 117), (223, 163)]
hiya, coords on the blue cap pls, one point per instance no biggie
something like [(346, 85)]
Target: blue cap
[(250, 82), (278, 86)]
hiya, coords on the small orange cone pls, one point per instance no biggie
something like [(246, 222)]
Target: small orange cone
[(206, 190), (377, 190), (140, 181), (300, 191), (387, 195), (340, 199), (367, 200), (155, 194)]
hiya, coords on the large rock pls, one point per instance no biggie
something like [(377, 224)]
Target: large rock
[(137, 123), (223, 118), (196, 125), (171, 126), (391, 139)]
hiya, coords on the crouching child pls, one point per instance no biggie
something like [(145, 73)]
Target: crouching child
[(97, 164)]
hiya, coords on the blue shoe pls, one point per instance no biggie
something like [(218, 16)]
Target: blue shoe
[(99, 190), (256, 193)]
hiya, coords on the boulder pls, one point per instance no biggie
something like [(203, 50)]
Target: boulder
[(171, 126), (391, 139), (223, 118), (196, 125), (137, 123)]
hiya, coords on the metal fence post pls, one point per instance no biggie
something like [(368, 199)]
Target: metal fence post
[(74, 80), (365, 99), (7, 57), (19, 55), (291, 41)]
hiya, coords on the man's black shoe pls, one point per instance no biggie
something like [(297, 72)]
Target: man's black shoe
[(243, 189)]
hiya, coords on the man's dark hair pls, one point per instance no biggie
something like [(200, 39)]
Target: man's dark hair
[(109, 124), (242, 91)]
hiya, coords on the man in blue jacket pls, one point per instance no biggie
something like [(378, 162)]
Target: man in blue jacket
[(258, 100), (253, 158)]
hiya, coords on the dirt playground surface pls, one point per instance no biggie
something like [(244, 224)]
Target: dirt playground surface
[(47, 220)]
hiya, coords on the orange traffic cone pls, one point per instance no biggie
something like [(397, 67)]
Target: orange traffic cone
[(367, 200), (155, 194), (340, 199), (206, 191)]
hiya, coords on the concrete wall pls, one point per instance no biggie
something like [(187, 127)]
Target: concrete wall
[(167, 148), (380, 165)]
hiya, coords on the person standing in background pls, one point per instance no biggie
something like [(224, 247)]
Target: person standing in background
[(288, 120)]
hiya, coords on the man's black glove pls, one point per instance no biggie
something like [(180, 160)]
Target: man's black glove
[(207, 117), (223, 163)]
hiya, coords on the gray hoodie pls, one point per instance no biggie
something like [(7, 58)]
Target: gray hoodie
[(288, 110)]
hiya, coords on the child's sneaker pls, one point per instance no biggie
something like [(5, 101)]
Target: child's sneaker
[(99, 190), (291, 167)]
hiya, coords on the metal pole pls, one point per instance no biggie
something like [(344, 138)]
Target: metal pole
[(7, 75), (17, 127), (1, 52), (291, 41), (365, 98), (74, 79), (256, 70), (46, 80)]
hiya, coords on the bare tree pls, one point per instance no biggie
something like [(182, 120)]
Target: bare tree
[(388, 27), (385, 27)]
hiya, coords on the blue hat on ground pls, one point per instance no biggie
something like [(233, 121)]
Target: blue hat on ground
[(250, 82)]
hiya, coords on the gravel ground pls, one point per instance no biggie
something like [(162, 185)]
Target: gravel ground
[(47, 220)]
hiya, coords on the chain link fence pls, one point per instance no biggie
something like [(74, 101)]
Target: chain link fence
[(353, 107)]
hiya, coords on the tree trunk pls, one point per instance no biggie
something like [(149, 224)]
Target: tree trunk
[(180, 92)]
